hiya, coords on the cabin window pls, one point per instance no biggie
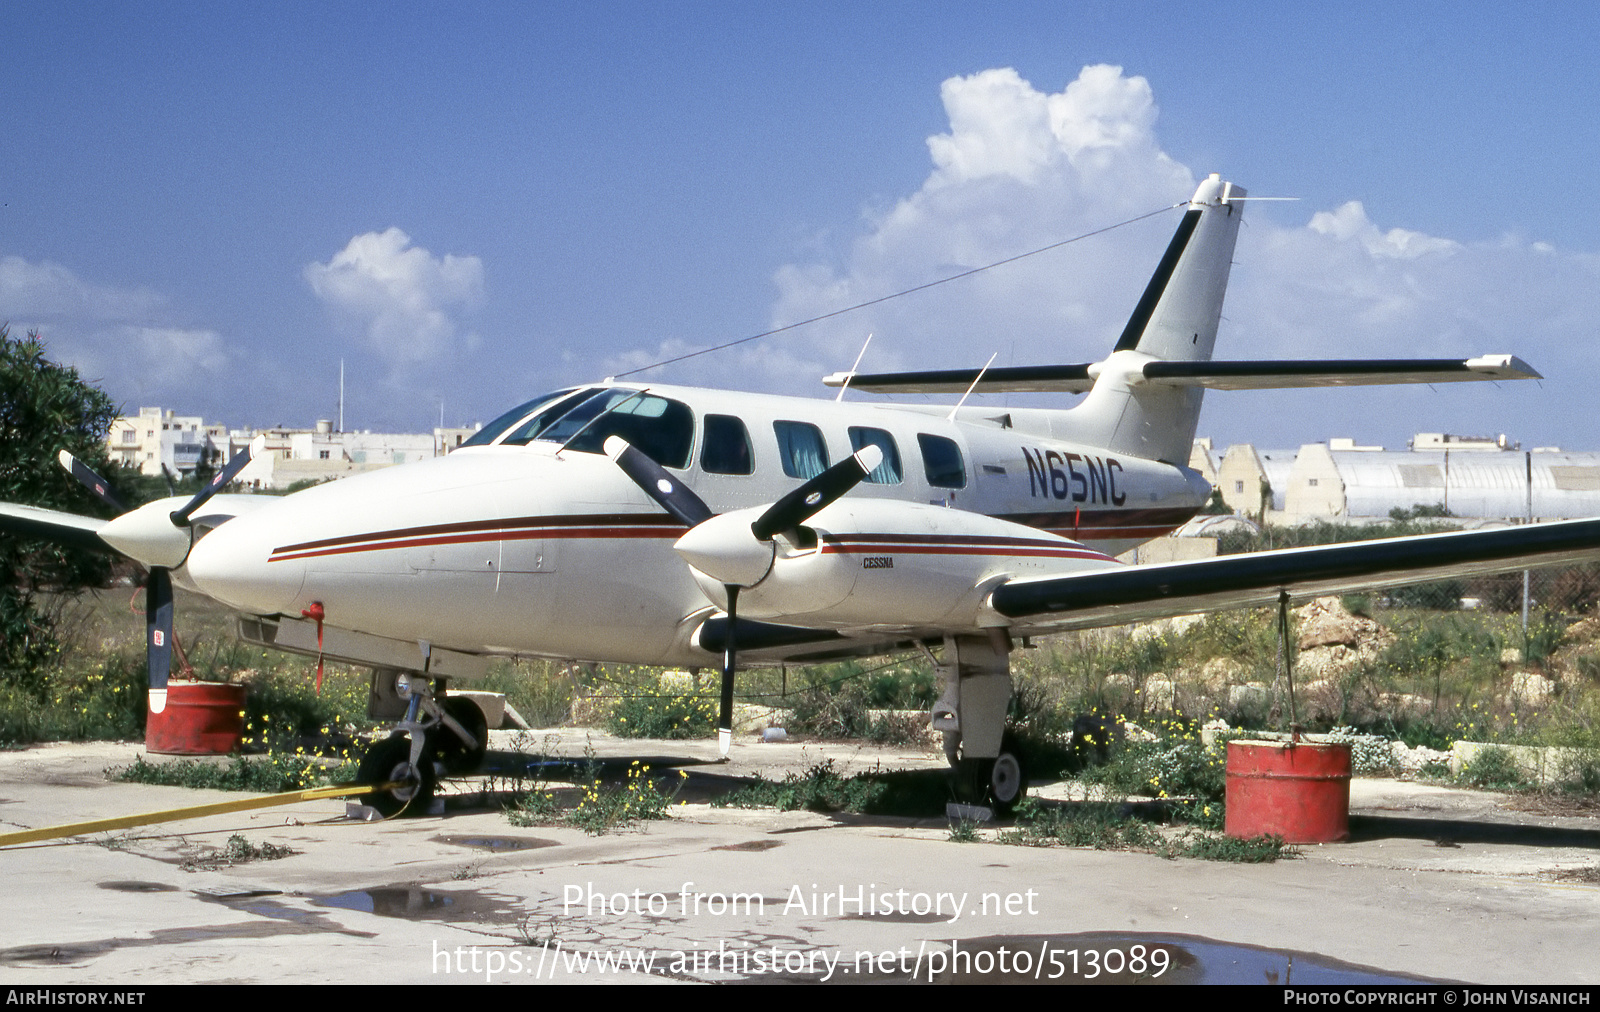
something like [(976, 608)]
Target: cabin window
[(801, 448), (888, 471), (725, 446), (941, 458)]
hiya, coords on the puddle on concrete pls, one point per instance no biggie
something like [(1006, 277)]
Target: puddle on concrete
[(498, 844), (752, 846), (417, 904), (138, 887), (1119, 958)]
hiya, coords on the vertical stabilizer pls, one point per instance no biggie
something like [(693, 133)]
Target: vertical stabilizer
[(1175, 320)]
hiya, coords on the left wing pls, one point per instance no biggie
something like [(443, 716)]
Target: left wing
[(1112, 596)]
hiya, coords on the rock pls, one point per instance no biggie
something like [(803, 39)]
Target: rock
[(1325, 622), (1160, 693), (1510, 656), (1218, 672), (1530, 688), (1247, 696)]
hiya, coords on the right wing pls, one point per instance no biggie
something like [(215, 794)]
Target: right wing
[(1114, 596)]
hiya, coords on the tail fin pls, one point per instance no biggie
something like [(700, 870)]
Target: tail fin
[(1175, 320)]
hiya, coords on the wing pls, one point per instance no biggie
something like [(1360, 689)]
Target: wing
[(53, 525), (1246, 375), (1137, 593)]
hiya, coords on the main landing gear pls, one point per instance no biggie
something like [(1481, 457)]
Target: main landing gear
[(988, 778), (439, 735)]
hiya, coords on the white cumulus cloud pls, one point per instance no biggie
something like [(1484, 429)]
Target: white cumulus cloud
[(406, 301), (125, 339), (1020, 168)]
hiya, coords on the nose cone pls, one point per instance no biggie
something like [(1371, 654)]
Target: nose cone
[(234, 565)]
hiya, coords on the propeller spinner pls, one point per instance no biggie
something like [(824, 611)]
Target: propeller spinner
[(159, 539)]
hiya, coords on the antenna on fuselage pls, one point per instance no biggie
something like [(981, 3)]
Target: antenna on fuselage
[(847, 377), (975, 381)]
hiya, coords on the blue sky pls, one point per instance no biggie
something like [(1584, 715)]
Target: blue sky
[(208, 206)]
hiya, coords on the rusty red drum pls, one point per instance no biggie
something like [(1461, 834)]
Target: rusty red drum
[(200, 718), (1299, 791)]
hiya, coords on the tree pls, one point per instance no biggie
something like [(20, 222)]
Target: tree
[(45, 407)]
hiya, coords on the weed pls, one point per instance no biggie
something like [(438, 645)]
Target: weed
[(1212, 847), (1097, 826), (1104, 827), (663, 715), (237, 850), (964, 831), (819, 789), (601, 807), (1494, 768), (269, 774)]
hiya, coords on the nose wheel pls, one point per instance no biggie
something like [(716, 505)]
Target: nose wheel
[(390, 761)]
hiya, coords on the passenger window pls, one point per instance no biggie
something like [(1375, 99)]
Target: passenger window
[(725, 446), (888, 472), (941, 458), (801, 448)]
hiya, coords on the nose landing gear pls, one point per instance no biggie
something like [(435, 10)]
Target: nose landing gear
[(439, 735)]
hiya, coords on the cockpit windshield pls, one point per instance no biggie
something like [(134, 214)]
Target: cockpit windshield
[(583, 420), (489, 433)]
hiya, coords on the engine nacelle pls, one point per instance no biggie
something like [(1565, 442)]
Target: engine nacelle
[(880, 563)]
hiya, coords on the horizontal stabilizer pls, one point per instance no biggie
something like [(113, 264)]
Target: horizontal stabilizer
[(1140, 593), (53, 525), (1254, 375)]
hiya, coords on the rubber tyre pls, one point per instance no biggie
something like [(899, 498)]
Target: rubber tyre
[(390, 759), (452, 751), (1000, 783)]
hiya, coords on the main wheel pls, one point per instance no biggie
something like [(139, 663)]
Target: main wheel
[(390, 760), (1001, 783), (451, 750)]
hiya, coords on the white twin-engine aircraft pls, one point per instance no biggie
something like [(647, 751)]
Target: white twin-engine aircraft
[(664, 525)]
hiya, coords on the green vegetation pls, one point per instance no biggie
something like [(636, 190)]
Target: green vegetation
[(268, 774), (600, 807), (1493, 768), (686, 713), (44, 408), (819, 789)]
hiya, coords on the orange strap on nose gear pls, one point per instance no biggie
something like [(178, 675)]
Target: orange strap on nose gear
[(316, 614)]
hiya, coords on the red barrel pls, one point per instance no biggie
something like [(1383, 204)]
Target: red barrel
[(200, 718), (1299, 791)]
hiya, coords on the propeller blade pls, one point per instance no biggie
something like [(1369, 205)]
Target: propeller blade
[(800, 505), (91, 481), (217, 483), (672, 495), (158, 635), (730, 657)]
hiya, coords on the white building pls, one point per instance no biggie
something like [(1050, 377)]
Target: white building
[(154, 438)]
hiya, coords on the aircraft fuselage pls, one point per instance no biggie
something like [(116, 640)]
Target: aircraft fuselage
[(536, 550)]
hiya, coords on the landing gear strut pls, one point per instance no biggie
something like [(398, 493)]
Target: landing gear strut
[(971, 712)]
